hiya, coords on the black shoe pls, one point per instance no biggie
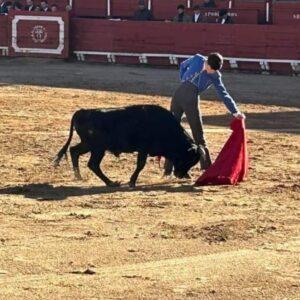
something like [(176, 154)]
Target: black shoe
[(208, 158), (168, 167), (205, 160)]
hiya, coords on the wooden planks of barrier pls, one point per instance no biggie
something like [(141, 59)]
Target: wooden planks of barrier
[(3, 36), (251, 47), (286, 13), (257, 41)]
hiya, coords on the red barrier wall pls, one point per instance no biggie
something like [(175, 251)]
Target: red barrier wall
[(47, 35), (286, 13), (3, 31), (248, 41)]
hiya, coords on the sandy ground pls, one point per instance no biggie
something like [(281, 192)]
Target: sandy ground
[(63, 239)]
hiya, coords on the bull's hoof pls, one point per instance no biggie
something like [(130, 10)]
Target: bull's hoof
[(55, 162), (78, 178), (167, 176), (132, 184), (114, 183), (77, 174)]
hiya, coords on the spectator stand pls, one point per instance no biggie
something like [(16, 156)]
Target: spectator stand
[(61, 4), (150, 43)]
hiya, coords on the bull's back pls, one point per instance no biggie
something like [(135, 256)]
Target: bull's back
[(133, 128)]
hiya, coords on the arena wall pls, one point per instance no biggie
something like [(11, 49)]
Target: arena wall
[(255, 47)]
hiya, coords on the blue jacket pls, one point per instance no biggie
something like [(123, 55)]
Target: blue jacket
[(192, 70)]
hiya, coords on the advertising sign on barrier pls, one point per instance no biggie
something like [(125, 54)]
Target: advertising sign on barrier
[(39, 35)]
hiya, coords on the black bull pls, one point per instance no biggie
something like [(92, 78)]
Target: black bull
[(146, 129)]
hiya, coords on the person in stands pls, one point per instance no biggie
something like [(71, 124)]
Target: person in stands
[(9, 6), (17, 6), (209, 4), (224, 18), (45, 6), (197, 74), (182, 17), (3, 7), (198, 17), (38, 8), (29, 5), (54, 8), (143, 13)]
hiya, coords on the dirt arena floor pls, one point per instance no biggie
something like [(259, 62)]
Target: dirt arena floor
[(64, 239)]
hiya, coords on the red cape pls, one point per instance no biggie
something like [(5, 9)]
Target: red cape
[(231, 165)]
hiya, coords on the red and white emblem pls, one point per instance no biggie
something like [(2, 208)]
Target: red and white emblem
[(39, 34)]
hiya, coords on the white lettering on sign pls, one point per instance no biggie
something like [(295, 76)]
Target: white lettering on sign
[(296, 16), (39, 34), (212, 14), (216, 14)]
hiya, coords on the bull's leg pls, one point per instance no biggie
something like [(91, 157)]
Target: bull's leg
[(94, 165), (141, 161), (76, 151)]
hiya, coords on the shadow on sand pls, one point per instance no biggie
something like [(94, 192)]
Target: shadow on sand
[(282, 122), (48, 192), (145, 80)]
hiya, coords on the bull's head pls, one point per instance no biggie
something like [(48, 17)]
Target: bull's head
[(183, 164)]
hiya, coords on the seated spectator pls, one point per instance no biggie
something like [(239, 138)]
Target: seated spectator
[(143, 13), (29, 5), (198, 17), (9, 6), (224, 18), (209, 3), (181, 17), (17, 6), (54, 8), (45, 6), (3, 7), (38, 8)]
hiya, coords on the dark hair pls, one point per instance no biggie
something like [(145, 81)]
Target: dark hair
[(215, 61), (180, 6), (44, 1), (54, 5), (17, 5), (8, 3), (223, 12), (196, 7)]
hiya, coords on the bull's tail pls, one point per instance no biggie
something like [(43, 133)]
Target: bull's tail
[(64, 149)]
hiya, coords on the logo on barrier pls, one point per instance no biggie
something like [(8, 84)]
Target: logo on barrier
[(39, 34)]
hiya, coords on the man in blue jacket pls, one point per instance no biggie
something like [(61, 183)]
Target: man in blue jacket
[(197, 74)]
